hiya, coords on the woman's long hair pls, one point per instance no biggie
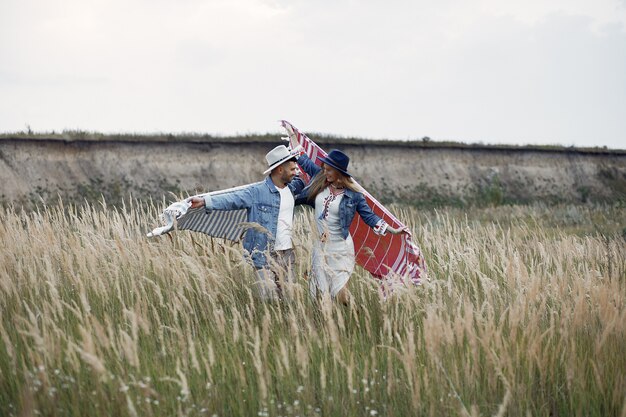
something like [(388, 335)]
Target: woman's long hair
[(318, 183)]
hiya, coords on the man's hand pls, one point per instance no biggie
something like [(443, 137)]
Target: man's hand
[(197, 202)]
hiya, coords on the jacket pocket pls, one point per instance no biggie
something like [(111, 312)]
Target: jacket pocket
[(264, 214), (350, 210)]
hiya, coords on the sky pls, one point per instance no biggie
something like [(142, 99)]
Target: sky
[(475, 71)]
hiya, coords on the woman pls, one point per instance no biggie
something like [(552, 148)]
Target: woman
[(336, 199)]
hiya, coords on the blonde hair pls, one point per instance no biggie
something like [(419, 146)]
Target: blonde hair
[(318, 183)]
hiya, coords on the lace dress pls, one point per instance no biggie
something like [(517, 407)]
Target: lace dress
[(333, 256)]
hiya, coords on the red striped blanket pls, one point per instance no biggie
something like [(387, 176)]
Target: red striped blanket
[(380, 255)]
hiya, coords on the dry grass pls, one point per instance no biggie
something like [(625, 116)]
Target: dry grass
[(525, 315)]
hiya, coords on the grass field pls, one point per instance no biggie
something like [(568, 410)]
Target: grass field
[(524, 315)]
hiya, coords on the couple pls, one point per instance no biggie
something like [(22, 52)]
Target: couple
[(270, 203)]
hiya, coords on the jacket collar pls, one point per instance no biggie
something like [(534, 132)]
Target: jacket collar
[(348, 193), (270, 184)]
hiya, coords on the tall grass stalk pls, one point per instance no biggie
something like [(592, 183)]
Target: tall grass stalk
[(524, 314)]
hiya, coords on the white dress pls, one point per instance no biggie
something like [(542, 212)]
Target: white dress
[(333, 256)]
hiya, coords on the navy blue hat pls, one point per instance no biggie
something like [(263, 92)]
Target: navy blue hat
[(337, 160)]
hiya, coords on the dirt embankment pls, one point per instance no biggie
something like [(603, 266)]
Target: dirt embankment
[(422, 175)]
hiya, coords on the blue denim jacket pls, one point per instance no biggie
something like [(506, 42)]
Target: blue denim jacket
[(262, 202), (351, 203)]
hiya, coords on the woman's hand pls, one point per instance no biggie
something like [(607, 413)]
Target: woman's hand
[(397, 231), (292, 139)]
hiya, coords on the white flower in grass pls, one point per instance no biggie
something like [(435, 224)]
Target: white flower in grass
[(373, 412)]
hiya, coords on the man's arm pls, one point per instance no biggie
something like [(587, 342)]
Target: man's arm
[(235, 200)]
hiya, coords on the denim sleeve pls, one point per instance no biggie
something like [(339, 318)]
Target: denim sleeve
[(296, 185), (366, 213), (303, 198), (308, 166), (235, 200)]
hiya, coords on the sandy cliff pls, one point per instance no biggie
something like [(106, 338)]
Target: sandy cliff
[(424, 175)]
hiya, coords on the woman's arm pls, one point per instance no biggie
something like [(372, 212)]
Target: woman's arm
[(366, 213), (397, 231), (296, 185), (380, 226), (308, 166)]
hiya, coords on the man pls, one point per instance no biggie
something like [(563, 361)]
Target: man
[(270, 204)]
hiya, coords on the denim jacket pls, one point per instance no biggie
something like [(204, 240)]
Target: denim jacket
[(262, 202), (351, 203)]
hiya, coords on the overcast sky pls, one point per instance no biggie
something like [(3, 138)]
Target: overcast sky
[(491, 71)]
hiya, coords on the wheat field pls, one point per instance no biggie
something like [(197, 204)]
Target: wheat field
[(524, 315)]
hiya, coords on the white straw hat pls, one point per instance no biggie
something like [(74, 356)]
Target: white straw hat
[(277, 156)]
